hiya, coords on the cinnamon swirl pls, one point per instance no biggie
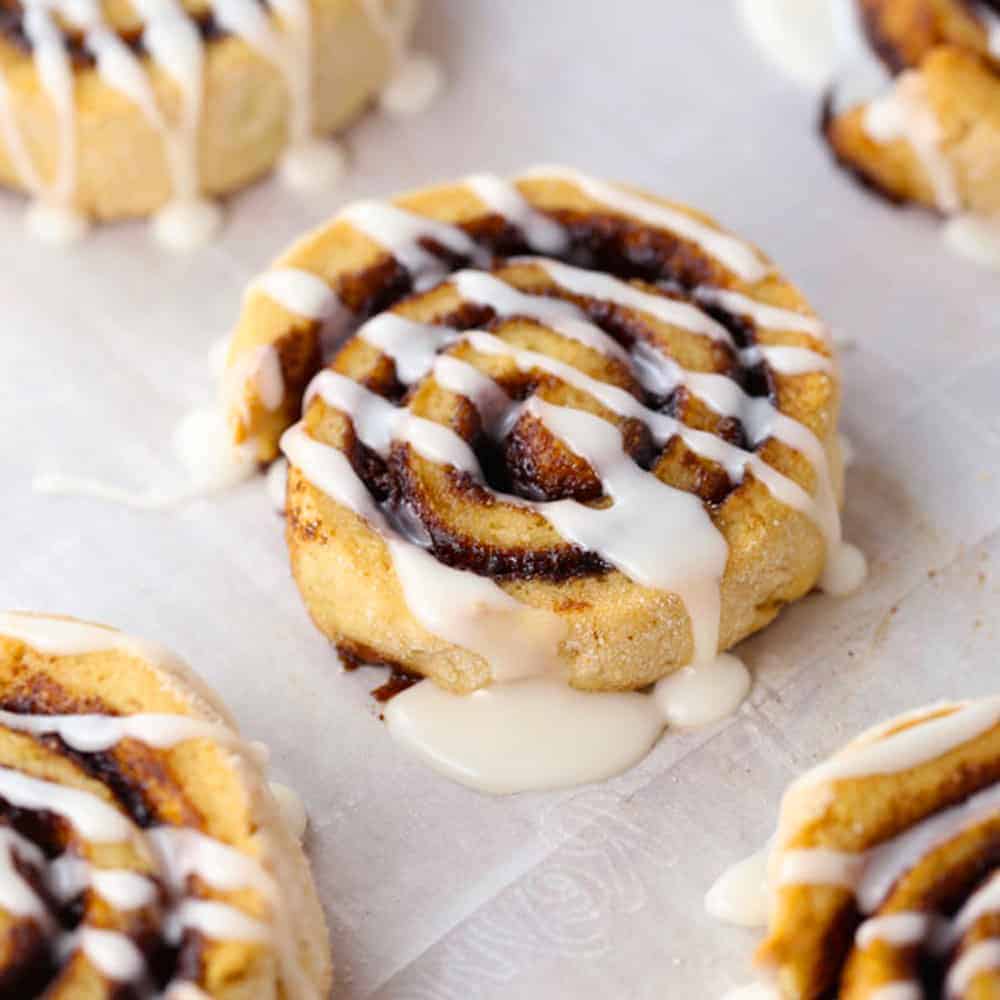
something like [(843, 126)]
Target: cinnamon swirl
[(141, 853), (883, 872), (111, 110), (577, 429)]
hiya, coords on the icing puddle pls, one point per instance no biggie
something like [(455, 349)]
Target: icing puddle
[(540, 734)]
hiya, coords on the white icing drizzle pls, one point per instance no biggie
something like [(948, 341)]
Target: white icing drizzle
[(787, 360), (218, 921), (981, 957), (820, 866), (400, 232), (543, 234), (596, 285), (183, 852), (767, 317), (300, 292), (412, 346), (94, 733), (981, 903), (736, 255), (908, 748), (905, 113), (93, 817), (686, 556), (111, 952), (991, 21), (16, 894), (69, 875), (901, 930)]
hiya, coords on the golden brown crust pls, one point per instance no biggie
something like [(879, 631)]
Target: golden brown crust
[(620, 635), (813, 946), (198, 784)]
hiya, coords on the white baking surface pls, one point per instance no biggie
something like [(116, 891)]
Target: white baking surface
[(434, 892)]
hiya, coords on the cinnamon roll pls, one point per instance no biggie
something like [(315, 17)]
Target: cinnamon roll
[(576, 428), (884, 870), (929, 132), (141, 853), (152, 107)]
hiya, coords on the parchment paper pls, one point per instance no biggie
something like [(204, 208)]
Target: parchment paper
[(432, 891)]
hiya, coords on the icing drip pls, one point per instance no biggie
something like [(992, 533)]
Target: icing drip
[(698, 695), (740, 895), (975, 237), (292, 808), (416, 78), (277, 484), (413, 87), (202, 442)]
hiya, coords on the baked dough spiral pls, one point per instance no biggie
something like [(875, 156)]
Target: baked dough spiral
[(141, 852), (885, 871), (576, 425), (934, 136), (120, 108)]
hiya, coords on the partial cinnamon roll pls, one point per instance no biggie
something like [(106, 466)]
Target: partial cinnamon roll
[(884, 871), (141, 852), (930, 133), (577, 430), (151, 107)]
